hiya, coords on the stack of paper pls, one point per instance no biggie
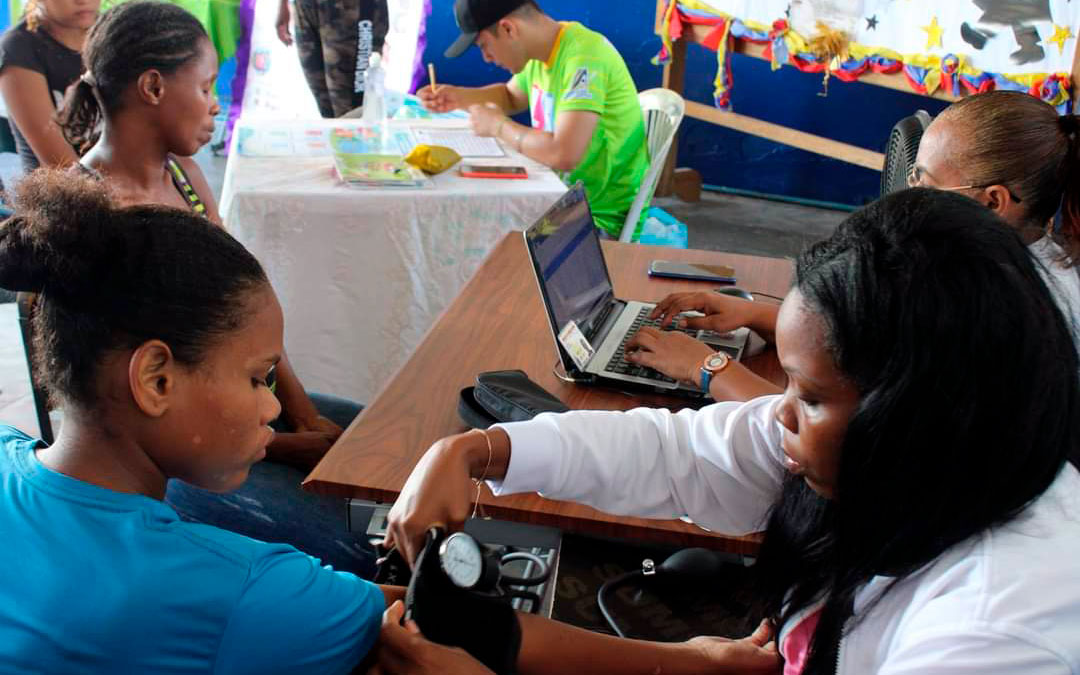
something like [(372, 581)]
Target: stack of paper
[(367, 158), (462, 141)]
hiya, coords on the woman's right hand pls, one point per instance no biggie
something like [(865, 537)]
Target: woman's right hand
[(439, 491), (670, 352), (755, 654), (442, 99), (723, 313)]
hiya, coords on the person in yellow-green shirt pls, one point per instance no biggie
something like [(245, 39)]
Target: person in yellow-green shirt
[(586, 121)]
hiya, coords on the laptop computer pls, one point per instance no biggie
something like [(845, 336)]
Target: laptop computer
[(576, 289)]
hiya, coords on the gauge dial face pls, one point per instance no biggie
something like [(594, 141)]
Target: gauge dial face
[(461, 560)]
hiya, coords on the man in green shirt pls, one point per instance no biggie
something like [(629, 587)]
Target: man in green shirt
[(586, 121)]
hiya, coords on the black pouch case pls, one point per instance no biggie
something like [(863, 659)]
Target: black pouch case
[(505, 396)]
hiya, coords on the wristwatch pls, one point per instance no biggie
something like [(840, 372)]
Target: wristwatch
[(712, 365)]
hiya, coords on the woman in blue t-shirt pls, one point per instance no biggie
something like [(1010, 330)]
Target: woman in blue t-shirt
[(157, 332), (39, 59)]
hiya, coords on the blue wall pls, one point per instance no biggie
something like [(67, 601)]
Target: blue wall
[(854, 113)]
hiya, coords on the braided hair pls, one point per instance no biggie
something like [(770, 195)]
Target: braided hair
[(125, 42)]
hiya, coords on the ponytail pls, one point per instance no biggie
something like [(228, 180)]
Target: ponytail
[(1068, 223), (80, 114), (126, 41)]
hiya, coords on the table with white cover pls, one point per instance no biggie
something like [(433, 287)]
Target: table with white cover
[(362, 273)]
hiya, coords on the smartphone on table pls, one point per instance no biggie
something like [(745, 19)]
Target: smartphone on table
[(721, 274), (493, 171)]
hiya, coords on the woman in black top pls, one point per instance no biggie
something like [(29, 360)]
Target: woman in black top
[(39, 59)]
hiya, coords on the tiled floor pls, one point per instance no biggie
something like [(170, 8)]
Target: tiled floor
[(718, 222), (735, 224)]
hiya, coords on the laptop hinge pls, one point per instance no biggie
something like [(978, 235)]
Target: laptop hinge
[(604, 322)]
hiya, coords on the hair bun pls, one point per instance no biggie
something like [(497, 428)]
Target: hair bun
[(19, 268), (60, 236)]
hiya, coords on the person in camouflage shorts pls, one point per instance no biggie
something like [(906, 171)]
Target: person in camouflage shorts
[(334, 39)]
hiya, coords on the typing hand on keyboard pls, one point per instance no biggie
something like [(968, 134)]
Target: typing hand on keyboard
[(622, 365), (674, 354), (721, 313)]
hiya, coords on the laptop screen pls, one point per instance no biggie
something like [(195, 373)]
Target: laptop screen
[(569, 263)]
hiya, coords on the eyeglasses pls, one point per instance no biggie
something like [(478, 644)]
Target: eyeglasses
[(915, 179)]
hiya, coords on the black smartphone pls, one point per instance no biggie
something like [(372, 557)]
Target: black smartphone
[(697, 271)]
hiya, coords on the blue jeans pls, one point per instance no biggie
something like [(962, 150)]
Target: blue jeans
[(271, 507)]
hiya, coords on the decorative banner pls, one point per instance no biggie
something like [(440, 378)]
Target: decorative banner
[(841, 15), (275, 86), (960, 46), (403, 52)]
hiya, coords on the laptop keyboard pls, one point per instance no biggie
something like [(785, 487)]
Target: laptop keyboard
[(618, 362)]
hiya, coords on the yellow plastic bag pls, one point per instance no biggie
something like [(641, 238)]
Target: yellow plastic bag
[(432, 159)]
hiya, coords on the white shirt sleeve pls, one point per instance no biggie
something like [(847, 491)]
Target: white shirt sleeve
[(721, 465), (1064, 283)]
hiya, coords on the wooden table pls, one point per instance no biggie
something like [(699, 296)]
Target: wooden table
[(498, 322)]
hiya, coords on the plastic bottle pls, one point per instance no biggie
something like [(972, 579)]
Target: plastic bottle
[(374, 115)]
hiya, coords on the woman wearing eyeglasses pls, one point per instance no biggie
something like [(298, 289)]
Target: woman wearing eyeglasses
[(1015, 155), (1006, 150)]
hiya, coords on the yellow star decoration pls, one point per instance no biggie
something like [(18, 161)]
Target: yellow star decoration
[(1061, 34), (933, 34)]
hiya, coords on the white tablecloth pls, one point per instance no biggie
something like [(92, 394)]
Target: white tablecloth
[(361, 274)]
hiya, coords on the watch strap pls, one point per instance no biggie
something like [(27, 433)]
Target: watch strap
[(706, 379)]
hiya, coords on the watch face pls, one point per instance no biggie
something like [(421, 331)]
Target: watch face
[(717, 361), (461, 560)]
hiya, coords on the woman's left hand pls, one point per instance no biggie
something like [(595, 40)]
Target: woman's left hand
[(486, 119), (402, 650), (302, 449), (322, 425)]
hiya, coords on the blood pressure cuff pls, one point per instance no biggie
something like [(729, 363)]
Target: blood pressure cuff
[(505, 396), (484, 626)]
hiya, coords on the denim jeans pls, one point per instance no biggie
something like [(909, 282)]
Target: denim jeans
[(271, 507)]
